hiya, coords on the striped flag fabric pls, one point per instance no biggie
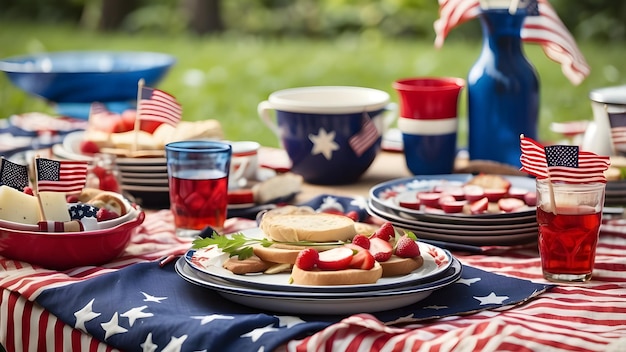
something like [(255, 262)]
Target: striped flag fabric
[(545, 29), (567, 318), (562, 163), (157, 105), (13, 175), (617, 121), (60, 175), (365, 138)]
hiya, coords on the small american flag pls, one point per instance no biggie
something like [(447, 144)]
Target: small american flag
[(562, 163), (99, 110), (60, 176), (157, 105), (617, 121), (366, 137), (13, 175), (546, 29)]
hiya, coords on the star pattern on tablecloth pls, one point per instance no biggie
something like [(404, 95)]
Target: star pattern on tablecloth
[(136, 313), (324, 143), (206, 319), (288, 321), (492, 298), (468, 282), (150, 298), (84, 315), (112, 327), (256, 334)]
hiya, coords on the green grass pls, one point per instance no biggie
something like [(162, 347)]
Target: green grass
[(224, 78)]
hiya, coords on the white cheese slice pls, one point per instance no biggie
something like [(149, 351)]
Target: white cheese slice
[(54, 206), (18, 206)]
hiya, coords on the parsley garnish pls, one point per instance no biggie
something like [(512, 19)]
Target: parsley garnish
[(240, 245)]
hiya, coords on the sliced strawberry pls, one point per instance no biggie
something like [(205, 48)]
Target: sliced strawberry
[(494, 194), (361, 241), (333, 211), (337, 258), (455, 206), (380, 249), (410, 203), (509, 205), (445, 198), (104, 214), (429, 199), (480, 206), (531, 199), (385, 232), (473, 192), (88, 147), (307, 259), (28, 190), (407, 247), (517, 192), (363, 259)]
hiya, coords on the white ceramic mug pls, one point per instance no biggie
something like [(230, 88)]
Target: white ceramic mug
[(244, 162)]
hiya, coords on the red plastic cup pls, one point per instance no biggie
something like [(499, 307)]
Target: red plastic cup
[(429, 97)]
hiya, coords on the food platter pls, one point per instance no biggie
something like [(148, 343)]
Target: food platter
[(436, 262), (493, 229), (294, 302)]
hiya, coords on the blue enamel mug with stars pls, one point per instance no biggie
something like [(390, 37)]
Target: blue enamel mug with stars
[(331, 133)]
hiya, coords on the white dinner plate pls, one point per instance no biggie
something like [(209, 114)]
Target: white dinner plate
[(387, 194), (315, 303), (455, 229), (436, 261)]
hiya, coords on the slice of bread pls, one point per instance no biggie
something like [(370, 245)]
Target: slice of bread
[(318, 227), (397, 266), (338, 277)]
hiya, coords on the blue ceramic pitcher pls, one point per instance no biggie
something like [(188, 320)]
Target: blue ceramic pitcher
[(503, 90)]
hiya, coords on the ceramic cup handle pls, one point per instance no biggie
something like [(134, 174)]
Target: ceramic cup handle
[(263, 109)]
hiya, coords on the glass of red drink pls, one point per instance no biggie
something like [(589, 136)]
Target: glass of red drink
[(198, 181), (569, 218)]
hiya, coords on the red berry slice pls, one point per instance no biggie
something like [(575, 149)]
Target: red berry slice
[(386, 232), (338, 258), (307, 259), (494, 194), (429, 199), (531, 199), (480, 206), (509, 205), (380, 249), (453, 207), (361, 241), (473, 192)]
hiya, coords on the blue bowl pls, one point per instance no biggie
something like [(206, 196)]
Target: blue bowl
[(82, 77)]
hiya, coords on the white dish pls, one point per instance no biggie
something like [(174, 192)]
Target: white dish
[(70, 149), (436, 261), (314, 303), (387, 194), (444, 227)]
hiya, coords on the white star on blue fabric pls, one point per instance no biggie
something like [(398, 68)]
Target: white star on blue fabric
[(205, 319), (112, 327), (258, 332), (175, 344), (150, 298), (148, 345), (331, 202), (288, 321), (136, 313), (492, 298), (324, 143), (359, 202), (467, 282), (84, 315), (435, 307)]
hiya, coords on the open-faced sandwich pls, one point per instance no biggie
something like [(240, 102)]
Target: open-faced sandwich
[(320, 249)]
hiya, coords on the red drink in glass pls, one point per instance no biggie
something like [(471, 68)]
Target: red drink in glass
[(568, 239), (199, 199)]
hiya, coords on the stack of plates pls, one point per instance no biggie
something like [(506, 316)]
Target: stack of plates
[(275, 293), (493, 229), (145, 179)]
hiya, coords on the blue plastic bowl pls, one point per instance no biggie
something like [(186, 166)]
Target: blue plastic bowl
[(86, 76)]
